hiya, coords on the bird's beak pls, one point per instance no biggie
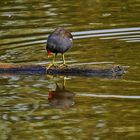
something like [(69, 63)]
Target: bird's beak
[(48, 53)]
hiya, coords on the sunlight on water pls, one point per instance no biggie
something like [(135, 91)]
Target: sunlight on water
[(109, 33), (109, 96), (119, 33)]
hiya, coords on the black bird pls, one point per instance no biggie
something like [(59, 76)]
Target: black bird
[(59, 41)]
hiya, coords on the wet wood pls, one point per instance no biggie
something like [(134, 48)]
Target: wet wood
[(75, 70)]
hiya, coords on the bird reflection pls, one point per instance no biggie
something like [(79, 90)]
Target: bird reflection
[(61, 97)]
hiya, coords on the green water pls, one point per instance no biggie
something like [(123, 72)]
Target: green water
[(88, 108)]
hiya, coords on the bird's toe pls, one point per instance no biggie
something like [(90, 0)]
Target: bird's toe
[(52, 66), (63, 66)]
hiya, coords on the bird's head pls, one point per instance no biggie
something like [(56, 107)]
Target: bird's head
[(48, 51)]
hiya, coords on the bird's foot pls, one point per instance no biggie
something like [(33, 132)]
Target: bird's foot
[(52, 65), (63, 66)]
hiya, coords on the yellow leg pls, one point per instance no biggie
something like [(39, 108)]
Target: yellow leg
[(54, 59), (64, 62), (63, 58), (53, 62)]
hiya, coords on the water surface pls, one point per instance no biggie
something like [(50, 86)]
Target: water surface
[(39, 106)]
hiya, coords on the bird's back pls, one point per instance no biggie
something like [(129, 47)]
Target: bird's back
[(59, 41)]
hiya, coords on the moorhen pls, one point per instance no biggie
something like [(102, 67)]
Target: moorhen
[(59, 41)]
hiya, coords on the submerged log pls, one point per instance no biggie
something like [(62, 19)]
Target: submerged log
[(92, 70)]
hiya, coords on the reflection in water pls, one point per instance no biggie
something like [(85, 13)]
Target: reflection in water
[(61, 97)]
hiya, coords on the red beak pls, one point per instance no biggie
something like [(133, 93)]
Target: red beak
[(48, 53)]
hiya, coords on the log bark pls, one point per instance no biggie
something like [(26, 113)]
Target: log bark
[(84, 70)]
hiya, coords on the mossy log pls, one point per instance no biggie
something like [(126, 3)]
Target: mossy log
[(75, 70)]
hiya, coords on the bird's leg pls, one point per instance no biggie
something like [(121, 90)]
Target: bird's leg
[(54, 59), (63, 58), (53, 62), (64, 62)]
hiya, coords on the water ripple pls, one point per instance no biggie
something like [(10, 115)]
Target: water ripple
[(107, 31), (132, 33), (122, 34), (109, 96)]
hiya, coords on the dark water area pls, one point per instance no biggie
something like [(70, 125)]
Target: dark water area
[(73, 108)]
